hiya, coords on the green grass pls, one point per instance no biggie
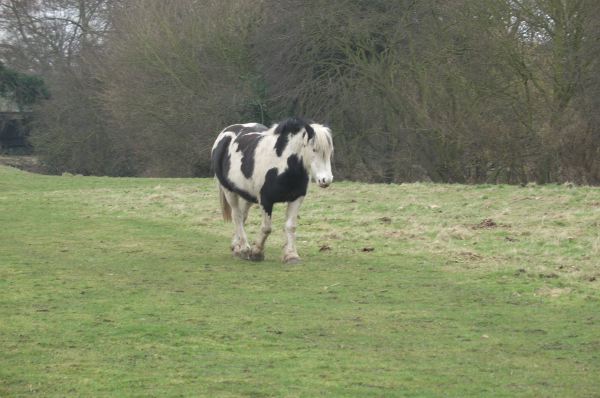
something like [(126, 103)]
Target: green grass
[(126, 287)]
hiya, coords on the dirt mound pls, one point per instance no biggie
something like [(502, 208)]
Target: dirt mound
[(487, 223), (27, 163)]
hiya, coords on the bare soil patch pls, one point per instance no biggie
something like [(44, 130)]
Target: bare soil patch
[(26, 162)]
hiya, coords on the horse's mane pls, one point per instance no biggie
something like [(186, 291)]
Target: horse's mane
[(320, 133), (323, 141), (292, 125)]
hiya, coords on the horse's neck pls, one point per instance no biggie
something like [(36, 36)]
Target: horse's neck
[(298, 147)]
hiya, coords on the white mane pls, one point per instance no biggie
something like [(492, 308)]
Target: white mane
[(322, 140)]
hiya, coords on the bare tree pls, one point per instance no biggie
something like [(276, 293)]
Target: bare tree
[(176, 74), (459, 90), (42, 35)]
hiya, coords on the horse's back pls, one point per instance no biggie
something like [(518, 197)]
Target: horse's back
[(229, 134), (241, 129), (234, 153)]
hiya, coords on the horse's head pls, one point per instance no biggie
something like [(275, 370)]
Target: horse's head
[(320, 152)]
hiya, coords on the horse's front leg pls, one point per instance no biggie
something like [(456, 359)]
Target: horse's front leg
[(290, 254), (258, 250)]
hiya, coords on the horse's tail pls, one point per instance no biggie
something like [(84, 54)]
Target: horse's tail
[(225, 208)]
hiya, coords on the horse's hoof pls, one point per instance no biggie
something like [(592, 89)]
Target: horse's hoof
[(292, 261), (257, 256), (243, 254)]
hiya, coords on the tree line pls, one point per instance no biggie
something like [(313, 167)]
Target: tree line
[(455, 90)]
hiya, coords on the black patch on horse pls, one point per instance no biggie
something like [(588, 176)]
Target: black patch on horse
[(289, 127), (221, 160), (247, 143), (285, 187)]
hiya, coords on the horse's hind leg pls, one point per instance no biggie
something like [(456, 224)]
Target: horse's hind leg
[(244, 208), (239, 212), (290, 254)]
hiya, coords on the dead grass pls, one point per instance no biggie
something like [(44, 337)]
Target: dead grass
[(542, 228)]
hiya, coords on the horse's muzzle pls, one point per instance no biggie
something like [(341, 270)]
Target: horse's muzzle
[(324, 182)]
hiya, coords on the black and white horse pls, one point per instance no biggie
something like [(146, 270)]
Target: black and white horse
[(257, 164)]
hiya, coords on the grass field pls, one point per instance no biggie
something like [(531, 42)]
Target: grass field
[(126, 287)]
